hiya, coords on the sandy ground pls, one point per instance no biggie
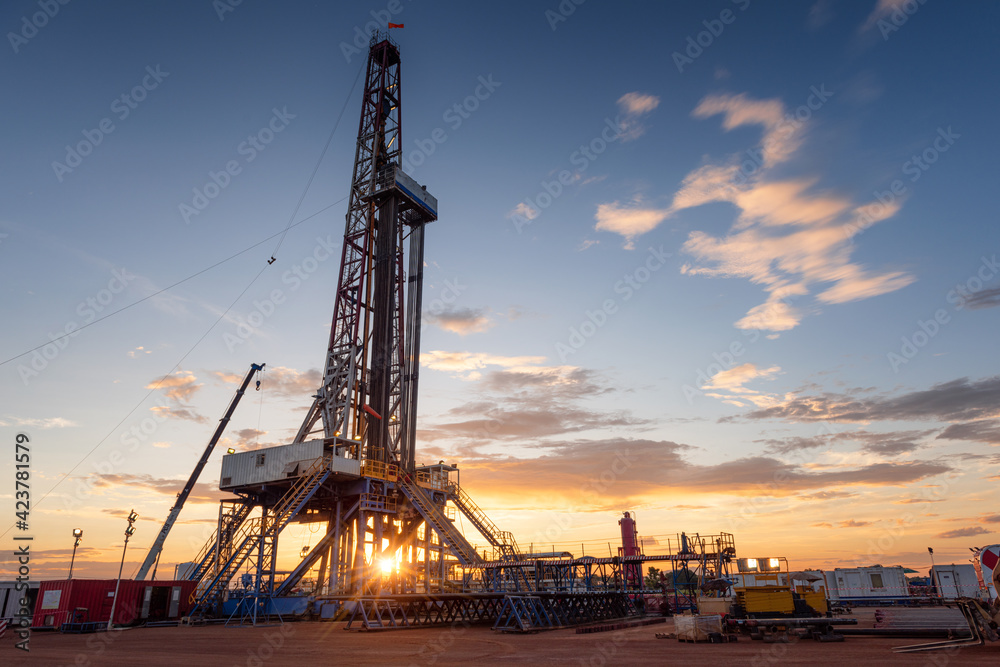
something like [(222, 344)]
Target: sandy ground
[(326, 643)]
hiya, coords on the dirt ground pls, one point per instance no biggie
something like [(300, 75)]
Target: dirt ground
[(323, 643)]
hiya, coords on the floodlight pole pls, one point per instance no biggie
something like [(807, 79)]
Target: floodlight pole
[(78, 534), (128, 533)]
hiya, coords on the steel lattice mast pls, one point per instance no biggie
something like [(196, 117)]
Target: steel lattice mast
[(368, 396)]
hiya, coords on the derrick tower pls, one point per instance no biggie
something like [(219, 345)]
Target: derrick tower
[(369, 391), (389, 525)]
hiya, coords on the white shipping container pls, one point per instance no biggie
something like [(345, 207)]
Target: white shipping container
[(184, 570), (832, 592), (955, 581), (867, 583), (271, 464), (10, 599)]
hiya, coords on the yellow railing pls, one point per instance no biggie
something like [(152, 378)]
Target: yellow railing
[(380, 470), (378, 502)]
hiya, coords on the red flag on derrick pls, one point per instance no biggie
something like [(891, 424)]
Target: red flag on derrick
[(395, 25)]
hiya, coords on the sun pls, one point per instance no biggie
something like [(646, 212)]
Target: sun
[(388, 566)]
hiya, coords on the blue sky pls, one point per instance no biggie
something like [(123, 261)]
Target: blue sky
[(728, 265)]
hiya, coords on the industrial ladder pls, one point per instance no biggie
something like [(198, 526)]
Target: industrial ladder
[(252, 532), (501, 539), (245, 540), (436, 519), (230, 522)]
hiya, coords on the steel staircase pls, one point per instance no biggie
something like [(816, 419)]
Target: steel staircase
[(501, 539), (437, 520), (243, 542), (231, 521), (256, 532)]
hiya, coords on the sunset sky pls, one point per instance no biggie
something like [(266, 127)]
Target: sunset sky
[(727, 265)]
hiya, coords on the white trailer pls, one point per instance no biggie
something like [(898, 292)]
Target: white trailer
[(955, 581), (877, 585), (11, 595)]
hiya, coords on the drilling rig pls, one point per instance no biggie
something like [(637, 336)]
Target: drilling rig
[(389, 548), (351, 465)]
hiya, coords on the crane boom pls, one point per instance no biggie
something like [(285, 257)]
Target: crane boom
[(154, 551)]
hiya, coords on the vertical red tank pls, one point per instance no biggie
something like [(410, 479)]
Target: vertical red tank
[(630, 547), (630, 536)]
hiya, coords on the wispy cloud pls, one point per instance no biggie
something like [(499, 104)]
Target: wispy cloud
[(781, 138), (168, 412), (728, 385), (987, 298), (790, 236), (889, 444), (633, 107), (963, 532), (564, 472), (985, 430), (523, 210), (961, 400), (280, 381), (469, 364), (883, 8), (463, 321), (180, 386), (51, 422), (126, 483), (526, 402), (629, 220)]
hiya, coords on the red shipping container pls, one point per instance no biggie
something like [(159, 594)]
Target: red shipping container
[(89, 600)]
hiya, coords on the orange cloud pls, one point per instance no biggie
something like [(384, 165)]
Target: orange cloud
[(629, 221), (180, 386)]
